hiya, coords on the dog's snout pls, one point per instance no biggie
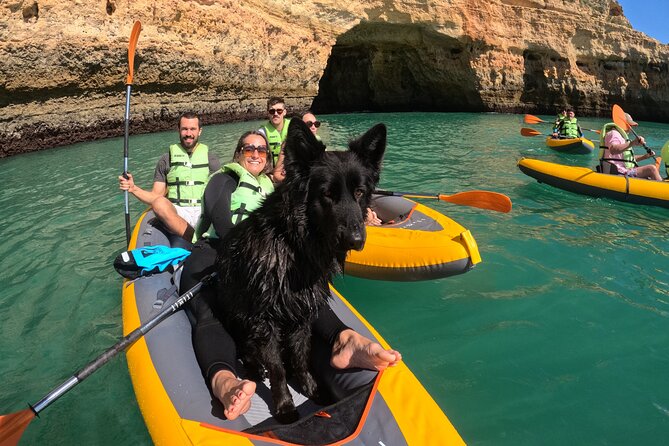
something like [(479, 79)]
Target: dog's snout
[(356, 237), (357, 242)]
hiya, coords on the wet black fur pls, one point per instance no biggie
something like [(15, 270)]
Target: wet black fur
[(274, 267)]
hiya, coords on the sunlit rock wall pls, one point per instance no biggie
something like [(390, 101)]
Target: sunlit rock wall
[(64, 64)]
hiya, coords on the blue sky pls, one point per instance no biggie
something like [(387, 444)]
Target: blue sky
[(648, 16)]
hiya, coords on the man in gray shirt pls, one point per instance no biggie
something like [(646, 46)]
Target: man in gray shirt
[(179, 180)]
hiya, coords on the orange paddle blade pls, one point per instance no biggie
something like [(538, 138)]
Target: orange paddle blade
[(619, 117), (13, 425), (529, 132), (531, 119), (482, 199), (134, 36)]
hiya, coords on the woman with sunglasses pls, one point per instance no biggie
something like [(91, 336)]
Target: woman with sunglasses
[(241, 184), (314, 124)]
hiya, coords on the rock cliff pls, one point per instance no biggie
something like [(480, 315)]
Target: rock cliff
[(65, 63)]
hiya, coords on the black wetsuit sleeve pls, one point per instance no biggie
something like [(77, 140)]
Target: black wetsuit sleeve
[(217, 199), (327, 325)]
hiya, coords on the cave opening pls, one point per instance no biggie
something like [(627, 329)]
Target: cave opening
[(399, 67)]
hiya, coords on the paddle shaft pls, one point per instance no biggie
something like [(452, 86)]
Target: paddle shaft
[(120, 346), (389, 193), (132, 45), (644, 144), (125, 161)]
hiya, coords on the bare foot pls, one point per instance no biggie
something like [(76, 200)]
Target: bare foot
[(354, 350), (235, 394)]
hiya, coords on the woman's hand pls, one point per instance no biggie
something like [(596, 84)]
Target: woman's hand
[(372, 219)]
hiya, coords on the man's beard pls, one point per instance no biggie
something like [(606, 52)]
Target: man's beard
[(190, 144)]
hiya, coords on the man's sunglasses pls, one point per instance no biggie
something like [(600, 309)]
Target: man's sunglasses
[(314, 123), (275, 111), (248, 149)]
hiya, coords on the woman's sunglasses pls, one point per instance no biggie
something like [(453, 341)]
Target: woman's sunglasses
[(275, 111), (314, 123), (248, 149)]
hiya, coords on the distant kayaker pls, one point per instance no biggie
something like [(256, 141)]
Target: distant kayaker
[(617, 157), (179, 179), (560, 116), (568, 128), (276, 128), (225, 195)]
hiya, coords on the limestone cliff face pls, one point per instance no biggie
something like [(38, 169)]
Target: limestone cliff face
[(64, 64)]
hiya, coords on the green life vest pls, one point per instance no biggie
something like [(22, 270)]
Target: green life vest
[(569, 128), (665, 157), (247, 197), (275, 138), (605, 164), (187, 175)]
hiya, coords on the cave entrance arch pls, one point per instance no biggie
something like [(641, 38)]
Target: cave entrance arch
[(399, 67)]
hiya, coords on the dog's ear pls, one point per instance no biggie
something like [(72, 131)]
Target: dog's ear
[(370, 147), (302, 147)]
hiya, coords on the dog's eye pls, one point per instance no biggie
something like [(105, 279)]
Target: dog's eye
[(358, 194), (327, 193)]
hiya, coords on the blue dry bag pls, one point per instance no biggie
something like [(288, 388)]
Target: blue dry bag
[(149, 260)]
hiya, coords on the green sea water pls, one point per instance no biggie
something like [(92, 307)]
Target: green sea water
[(559, 337)]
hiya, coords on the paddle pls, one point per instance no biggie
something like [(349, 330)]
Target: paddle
[(134, 36), (531, 119), (13, 425), (620, 119), (482, 199), (531, 132)]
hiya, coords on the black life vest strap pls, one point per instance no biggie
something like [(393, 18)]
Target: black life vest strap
[(184, 183), (250, 186), (238, 213), (184, 163), (180, 201)]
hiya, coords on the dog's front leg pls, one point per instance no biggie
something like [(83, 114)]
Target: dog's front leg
[(271, 357), (300, 342)]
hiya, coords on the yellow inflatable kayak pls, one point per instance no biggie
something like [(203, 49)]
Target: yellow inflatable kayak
[(571, 145), (387, 408), (414, 243), (584, 180)]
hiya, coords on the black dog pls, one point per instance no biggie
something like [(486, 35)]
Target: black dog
[(274, 267)]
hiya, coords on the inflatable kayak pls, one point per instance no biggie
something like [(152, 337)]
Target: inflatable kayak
[(571, 145), (414, 243), (386, 408), (584, 180)]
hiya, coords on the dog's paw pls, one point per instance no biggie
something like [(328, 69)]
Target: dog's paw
[(287, 414), (309, 386)]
